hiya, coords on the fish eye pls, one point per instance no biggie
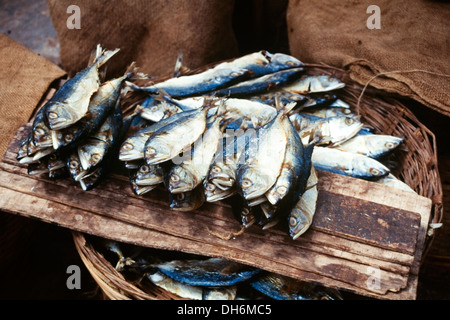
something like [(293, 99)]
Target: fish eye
[(150, 150), (210, 187), (216, 169), (39, 131), (180, 196), (96, 157), (144, 169), (154, 108), (349, 120), (174, 178), (246, 183), (281, 190), (389, 145), (52, 115), (73, 164), (234, 74), (291, 63), (292, 221), (127, 146), (68, 137), (374, 171)]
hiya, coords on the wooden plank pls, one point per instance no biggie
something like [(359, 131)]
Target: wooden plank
[(370, 222), (335, 254), (119, 190), (197, 227), (89, 223)]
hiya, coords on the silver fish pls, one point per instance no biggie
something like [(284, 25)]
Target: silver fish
[(91, 179), (170, 140), (140, 189), (346, 163), (133, 146), (391, 181), (262, 165), (188, 200), (191, 172), (314, 83), (251, 65), (102, 103), (211, 272), (280, 287), (292, 166), (222, 172), (155, 109), (301, 216), (262, 84), (70, 103), (149, 175), (371, 145), (41, 135), (74, 166), (256, 112), (191, 292), (100, 143), (333, 130), (214, 193)]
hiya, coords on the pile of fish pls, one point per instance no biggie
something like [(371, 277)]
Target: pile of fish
[(78, 131), (253, 129), (197, 277)]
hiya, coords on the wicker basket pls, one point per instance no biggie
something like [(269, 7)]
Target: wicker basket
[(417, 166)]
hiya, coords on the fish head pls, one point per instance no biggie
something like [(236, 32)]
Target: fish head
[(214, 193), (298, 223), (74, 166), (283, 61), (41, 136), (343, 128), (92, 154), (149, 175), (187, 201), (180, 180), (221, 171), (252, 183), (372, 169), (90, 180), (281, 187), (59, 116), (384, 142), (325, 83), (132, 149), (155, 152), (159, 111), (248, 216)]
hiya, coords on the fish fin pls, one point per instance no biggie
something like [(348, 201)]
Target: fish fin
[(104, 56), (281, 108), (132, 73), (180, 69)]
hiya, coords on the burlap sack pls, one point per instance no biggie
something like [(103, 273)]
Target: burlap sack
[(150, 32), (24, 78), (411, 49)]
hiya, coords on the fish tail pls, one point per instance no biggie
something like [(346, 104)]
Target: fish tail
[(103, 56), (132, 73), (283, 109)]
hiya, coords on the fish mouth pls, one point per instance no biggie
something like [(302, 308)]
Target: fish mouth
[(125, 155), (60, 119), (149, 181), (180, 188)]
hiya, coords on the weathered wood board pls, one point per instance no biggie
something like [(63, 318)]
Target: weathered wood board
[(359, 227)]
